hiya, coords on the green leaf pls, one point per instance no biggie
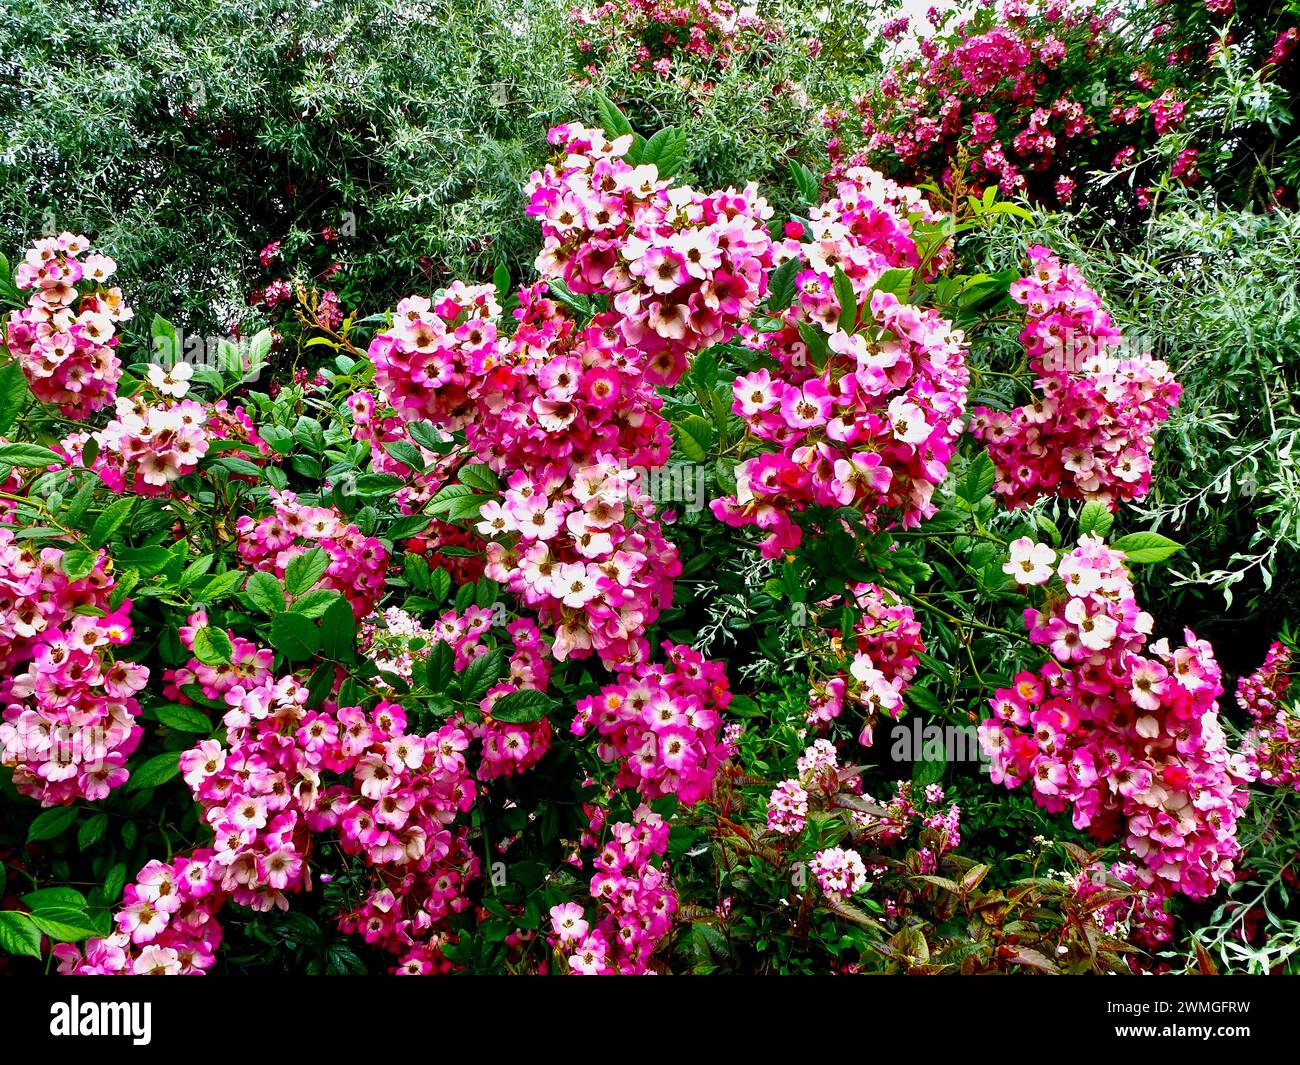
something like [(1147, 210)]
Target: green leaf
[(522, 706), (1095, 518), (979, 479), (295, 636), (848, 301), (439, 585), (113, 518), (164, 342), (479, 477), (808, 183), (28, 455), (781, 283), (212, 646), (90, 831), (51, 823), (338, 631), (18, 935), (429, 438), (77, 563), (156, 771), (897, 281), (694, 436), (303, 571), (439, 667), (407, 454), (666, 150), (219, 585), (405, 527), (1144, 547), (48, 900), (265, 593), (65, 925), (14, 395), (612, 120), (183, 718), (480, 674)]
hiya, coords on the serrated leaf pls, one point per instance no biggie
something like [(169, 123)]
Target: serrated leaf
[(439, 667), (78, 563), (480, 674), (18, 935), (1095, 518), (848, 301), (479, 477), (666, 150), (113, 518), (781, 284), (612, 120), (28, 456), (295, 636), (212, 646), (14, 394), (265, 593), (694, 436), (979, 479), (303, 571), (522, 706)]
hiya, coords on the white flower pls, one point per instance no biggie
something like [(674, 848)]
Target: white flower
[(174, 382), (1030, 563)]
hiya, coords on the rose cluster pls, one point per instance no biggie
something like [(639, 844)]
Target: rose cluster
[(1122, 733), (661, 32), (1090, 433), (567, 414), (634, 900), (284, 773), (884, 645), (865, 406), (681, 269), (357, 563), (70, 716), (661, 724), (65, 339), (1271, 748)]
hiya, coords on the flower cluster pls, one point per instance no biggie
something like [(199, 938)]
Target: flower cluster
[(567, 414), (682, 269), (166, 924), (507, 747), (838, 871), (1034, 99), (1271, 749), (146, 446), (357, 563), (866, 406), (266, 789), (70, 717), (1091, 432), (663, 723), (661, 32), (65, 338), (884, 645), (634, 899), (1123, 734), (1138, 915)]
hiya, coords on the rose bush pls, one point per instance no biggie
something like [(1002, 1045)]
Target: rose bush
[(750, 584)]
